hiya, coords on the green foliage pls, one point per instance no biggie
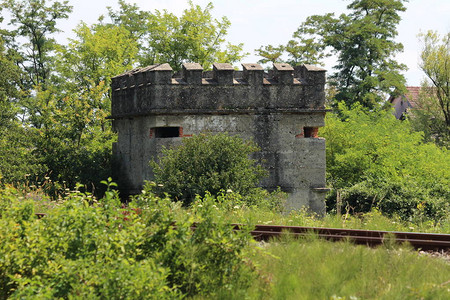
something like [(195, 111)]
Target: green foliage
[(78, 250), (75, 136), (207, 163), (433, 106), (364, 42), (302, 49), (18, 156), (61, 93), (315, 269), (428, 117), (207, 260), (9, 79), (131, 18), (270, 53), (96, 54), (66, 135), (96, 249), (163, 37), (376, 161), (35, 20), (74, 139), (15, 143), (373, 220)]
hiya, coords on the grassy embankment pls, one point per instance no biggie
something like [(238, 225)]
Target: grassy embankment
[(286, 269)]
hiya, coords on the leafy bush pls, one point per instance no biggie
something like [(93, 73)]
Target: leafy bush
[(97, 249), (18, 155), (207, 163), (376, 161)]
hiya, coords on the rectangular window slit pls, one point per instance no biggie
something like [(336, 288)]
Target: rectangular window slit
[(166, 132), (311, 132)]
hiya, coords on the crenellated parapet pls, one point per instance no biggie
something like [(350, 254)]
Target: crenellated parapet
[(157, 89)]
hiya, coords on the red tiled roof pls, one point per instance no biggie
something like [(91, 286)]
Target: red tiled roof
[(412, 95)]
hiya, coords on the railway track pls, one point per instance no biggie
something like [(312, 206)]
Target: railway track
[(422, 241)]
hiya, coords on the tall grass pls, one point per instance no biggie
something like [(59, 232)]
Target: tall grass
[(316, 269), (373, 220), (308, 268)]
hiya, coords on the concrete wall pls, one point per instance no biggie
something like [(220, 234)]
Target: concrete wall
[(281, 113)]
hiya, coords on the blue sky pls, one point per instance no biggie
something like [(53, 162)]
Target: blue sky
[(262, 22)]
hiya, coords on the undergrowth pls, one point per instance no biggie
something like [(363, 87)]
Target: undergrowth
[(91, 249), (101, 249), (311, 268), (373, 220)]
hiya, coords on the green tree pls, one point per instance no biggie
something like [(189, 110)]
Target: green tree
[(76, 138), (85, 67), (376, 161), (134, 20), (270, 53), (427, 117), (304, 50), (35, 20), (207, 163), (195, 36), (96, 54), (32, 46), (305, 47), (364, 42), (63, 94), (433, 113), (9, 80), (15, 145)]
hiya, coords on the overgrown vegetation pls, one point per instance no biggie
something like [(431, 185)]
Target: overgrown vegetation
[(363, 41), (432, 112), (208, 163), (314, 269), (97, 249), (54, 98), (375, 161), (54, 136), (94, 249)]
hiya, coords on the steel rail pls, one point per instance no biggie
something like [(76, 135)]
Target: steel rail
[(423, 241), (418, 240)]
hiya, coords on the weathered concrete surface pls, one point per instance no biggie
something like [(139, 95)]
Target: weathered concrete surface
[(280, 111)]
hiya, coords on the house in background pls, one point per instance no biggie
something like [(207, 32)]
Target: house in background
[(403, 103)]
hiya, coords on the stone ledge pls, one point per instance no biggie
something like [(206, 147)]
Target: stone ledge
[(219, 112)]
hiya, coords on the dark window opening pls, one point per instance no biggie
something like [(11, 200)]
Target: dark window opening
[(310, 132), (166, 132)]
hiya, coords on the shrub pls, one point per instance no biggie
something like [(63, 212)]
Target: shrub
[(97, 249), (207, 163), (377, 161), (19, 158)]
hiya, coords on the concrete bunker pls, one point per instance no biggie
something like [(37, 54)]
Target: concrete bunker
[(281, 110)]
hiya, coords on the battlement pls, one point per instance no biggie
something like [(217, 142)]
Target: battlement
[(156, 89)]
